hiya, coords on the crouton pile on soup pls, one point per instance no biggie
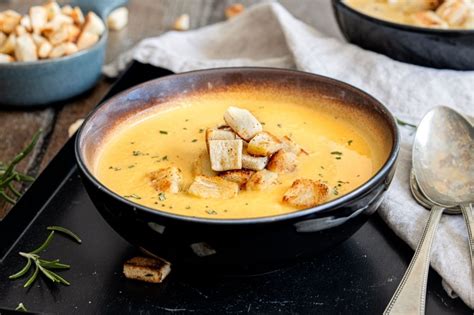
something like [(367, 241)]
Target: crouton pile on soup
[(232, 156), (46, 32)]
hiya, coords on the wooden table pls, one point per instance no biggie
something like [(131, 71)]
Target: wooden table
[(147, 18)]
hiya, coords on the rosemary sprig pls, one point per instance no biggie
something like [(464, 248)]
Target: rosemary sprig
[(8, 174), (42, 265)]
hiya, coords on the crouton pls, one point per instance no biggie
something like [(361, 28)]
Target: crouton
[(86, 40), (225, 154), (39, 18), (8, 46), (93, 24), (9, 19), (455, 12), (78, 16), (20, 30), (182, 23), (166, 179), (67, 10), (38, 39), (219, 134), (283, 162), (291, 146), (58, 51), (237, 176), (25, 48), (6, 58), (26, 23), (242, 122), (202, 165), (52, 9), (44, 49), (256, 163), (263, 144), (148, 269), (57, 23), (73, 32), (118, 19), (261, 180), (305, 193), (213, 187), (3, 38), (234, 10), (71, 48), (57, 36)]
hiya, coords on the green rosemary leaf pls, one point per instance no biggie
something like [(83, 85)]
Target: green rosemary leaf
[(22, 272), (32, 278), (13, 190), (65, 231), (47, 273), (45, 244), (55, 264), (58, 278), (6, 197), (404, 123), (21, 307)]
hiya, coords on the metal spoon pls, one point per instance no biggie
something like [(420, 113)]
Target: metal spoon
[(443, 164)]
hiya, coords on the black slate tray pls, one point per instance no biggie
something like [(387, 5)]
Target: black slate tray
[(358, 277)]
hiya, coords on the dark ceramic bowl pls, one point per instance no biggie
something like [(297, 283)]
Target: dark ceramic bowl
[(233, 244), (435, 48), (42, 82)]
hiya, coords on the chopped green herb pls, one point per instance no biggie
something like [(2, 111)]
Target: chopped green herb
[(138, 153), (188, 207), (185, 128), (336, 153), (194, 140), (114, 168), (322, 167), (263, 123), (131, 166), (163, 132), (155, 156), (165, 158), (338, 157), (186, 120), (21, 307), (201, 130), (320, 175), (404, 123), (349, 142), (134, 196), (279, 125), (162, 196), (211, 212)]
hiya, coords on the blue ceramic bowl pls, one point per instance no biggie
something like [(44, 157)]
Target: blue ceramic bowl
[(238, 244), (39, 83)]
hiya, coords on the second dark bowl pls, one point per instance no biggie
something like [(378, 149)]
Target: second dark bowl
[(435, 48), (233, 244)]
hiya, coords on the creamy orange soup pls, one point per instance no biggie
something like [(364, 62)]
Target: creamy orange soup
[(346, 147)]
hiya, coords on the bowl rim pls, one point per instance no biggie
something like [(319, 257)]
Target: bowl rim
[(404, 27), (331, 205)]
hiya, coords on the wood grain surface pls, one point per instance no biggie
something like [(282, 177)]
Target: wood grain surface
[(147, 18)]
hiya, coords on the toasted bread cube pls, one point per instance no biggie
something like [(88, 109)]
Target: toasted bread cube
[(86, 40), (39, 18), (9, 19), (63, 49), (166, 179), (3, 38), (242, 122), (202, 165), (256, 163), (78, 16), (263, 144), (225, 154), (234, 10), (148, 269), (219, 134), (53, 9), (25, 48), (237, 176), (38, 39), (118, 19), (71, 48), (182, 23), (305, 193), (44, 49), (58, 36), (455, 12), (429, 19), (73, 32), (93, 24), (6, 58), (20, 30), (213, 187), (261, 180), (66, 10), (9, 44), (55, 24), (26, 23), (283, 162), (291, 146)]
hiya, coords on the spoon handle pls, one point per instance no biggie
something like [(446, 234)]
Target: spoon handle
[(467, 210), (411, 292)]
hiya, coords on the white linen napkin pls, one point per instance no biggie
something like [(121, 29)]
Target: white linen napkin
[(268, 35)]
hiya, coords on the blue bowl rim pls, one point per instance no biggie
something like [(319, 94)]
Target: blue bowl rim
[(327, 207)]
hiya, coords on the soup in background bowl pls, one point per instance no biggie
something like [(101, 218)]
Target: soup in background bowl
[(349, 140)]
